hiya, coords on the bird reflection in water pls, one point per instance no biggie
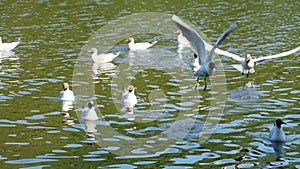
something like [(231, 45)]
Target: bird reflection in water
[(89, 118), (278, 149)]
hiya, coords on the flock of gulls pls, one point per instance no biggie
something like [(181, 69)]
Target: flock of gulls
[(202, 66)]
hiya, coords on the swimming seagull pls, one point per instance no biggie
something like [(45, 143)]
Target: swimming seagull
[(207, 65), (138, 46), (247, 63), (89, 118), (129, 99), (89, 113), (8, 46), (66, 98), (102, 58), (277, 133)]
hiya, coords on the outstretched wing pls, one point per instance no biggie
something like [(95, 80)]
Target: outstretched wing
[(192, 36), (228, 54), (239, 67), (219, 41), (278, 55)]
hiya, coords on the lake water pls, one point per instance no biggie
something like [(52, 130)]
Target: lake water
[(173, 125)]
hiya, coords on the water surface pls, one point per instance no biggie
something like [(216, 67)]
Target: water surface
[(170, 113)]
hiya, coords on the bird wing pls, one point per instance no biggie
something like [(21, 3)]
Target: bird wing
[(228, 54), (219, 41), (239, 67), (278, 55), (192, 36), (9, 46)]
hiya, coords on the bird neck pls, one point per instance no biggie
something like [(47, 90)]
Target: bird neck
[(95, 53)]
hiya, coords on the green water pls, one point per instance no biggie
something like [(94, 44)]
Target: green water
[(55, 34)]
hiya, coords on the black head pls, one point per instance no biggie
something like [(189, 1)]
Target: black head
[(195, 55), (279, 122), (90, 104)]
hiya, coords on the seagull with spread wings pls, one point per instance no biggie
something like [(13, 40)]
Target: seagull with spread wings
[(247, 63), (207, 65)]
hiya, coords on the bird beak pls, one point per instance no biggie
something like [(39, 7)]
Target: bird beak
[(126, 40)]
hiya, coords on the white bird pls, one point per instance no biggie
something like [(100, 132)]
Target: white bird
[(66, 98), (182, 41), (277, 133), (129, 99), (207, 65), (102, 58), (89, 118), (89, 113), (195, 64), (247, 63), (8, 46), (138, 46)]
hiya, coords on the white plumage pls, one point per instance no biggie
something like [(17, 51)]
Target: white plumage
[(195, 64), (66, 98), (138, 46), (102, 58), (129, 99), (247, 63), (8, 46), (89, 113), (207, 65)]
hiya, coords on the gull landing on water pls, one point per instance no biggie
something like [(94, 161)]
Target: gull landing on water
[(8, 46), (207, 65), (138, 46), (247, 63)]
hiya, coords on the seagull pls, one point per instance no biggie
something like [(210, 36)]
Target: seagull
[(247, 63), (102, 58), (89, 113), (207, 65), (277, 133), (182, 41), (66, 98), (129, 99), (8, 46), (138, 46), (89, 118)]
